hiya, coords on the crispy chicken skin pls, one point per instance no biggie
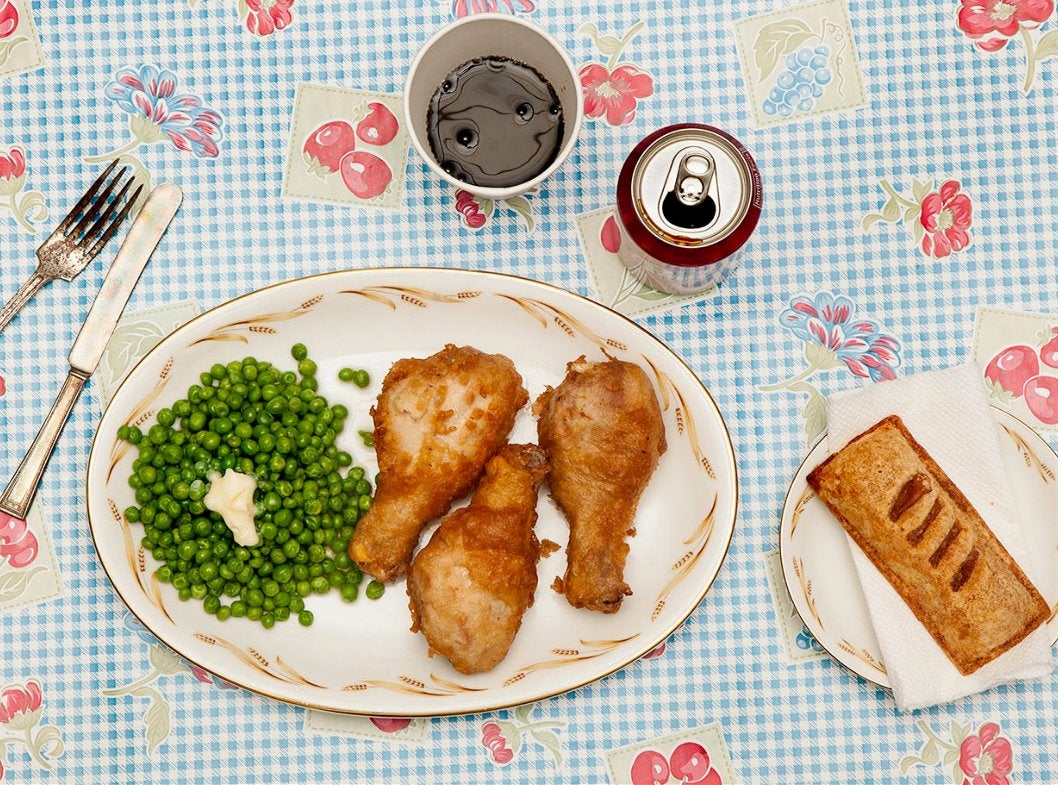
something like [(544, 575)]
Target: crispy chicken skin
[(603, 431), (471, 584), (437, 422)]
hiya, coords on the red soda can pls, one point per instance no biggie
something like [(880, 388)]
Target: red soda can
[(688, 199)]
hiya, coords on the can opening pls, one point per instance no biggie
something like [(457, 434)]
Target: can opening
[(688, 203)]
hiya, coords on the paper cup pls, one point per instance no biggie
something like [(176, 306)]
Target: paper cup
[(491, 35)]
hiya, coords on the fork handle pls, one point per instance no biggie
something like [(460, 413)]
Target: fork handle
[(22, 296), (22, 489)]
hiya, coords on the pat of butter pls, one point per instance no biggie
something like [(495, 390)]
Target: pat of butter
[(231, 497)]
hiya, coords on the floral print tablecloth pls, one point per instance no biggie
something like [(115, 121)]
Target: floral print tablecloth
[(910, 169)]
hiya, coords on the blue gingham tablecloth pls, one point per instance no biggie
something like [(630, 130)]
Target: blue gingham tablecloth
[(944, 130)]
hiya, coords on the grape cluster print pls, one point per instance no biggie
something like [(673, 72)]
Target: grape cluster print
[(804, 79)]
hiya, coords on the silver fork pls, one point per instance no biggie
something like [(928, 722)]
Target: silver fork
[(79, 238)]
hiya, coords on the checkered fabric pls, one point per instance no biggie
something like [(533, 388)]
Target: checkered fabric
[(938, 108)]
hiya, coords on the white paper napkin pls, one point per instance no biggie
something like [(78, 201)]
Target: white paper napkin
[(948, 414)]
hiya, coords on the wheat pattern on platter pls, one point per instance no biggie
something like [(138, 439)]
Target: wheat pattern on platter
[(698, 541), (276, 669), (1032, 460), (684, 418), (140, 413), (546, 313), (806, 590), (260, 324), (137, 559), (806, 496), (419, 298), (571, 656), (862, 655), (406, 685)]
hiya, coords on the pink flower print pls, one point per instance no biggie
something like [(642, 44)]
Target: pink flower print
[(468, 206), (267, 16), (610, 235), (8, 18), (496, 742), (20, 706), (991, 23), (463, 8), (985, 759), (945, 215), (614, 94), (12, 171), (18, 545)]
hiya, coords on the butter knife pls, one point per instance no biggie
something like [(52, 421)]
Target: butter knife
[(91, 341)]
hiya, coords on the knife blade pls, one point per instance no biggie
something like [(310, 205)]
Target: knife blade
[(125, 271), (87, 350)]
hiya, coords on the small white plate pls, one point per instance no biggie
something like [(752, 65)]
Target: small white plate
[(360, 657), (821, 577)]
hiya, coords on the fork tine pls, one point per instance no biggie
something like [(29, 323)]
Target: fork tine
[(98, 205), (93, 232), (89, 195), (105, 238)]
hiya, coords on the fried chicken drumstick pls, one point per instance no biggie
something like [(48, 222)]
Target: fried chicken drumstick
[(473, 581), (603, 431), (437, 422)]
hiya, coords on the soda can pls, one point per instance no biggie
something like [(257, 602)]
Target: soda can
[(688, 199)]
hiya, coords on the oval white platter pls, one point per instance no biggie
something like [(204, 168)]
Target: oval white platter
[(821, 576), (361, 657)]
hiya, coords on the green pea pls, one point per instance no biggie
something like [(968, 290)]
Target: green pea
[(305, 618), (361, 379), (299, 351), (375, 590)]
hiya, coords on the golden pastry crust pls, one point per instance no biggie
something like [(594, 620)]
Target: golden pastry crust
[(930, 543)]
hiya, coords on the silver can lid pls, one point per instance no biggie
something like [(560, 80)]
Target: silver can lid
[(692, 188)]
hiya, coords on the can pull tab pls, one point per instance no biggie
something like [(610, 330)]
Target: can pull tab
[(690, 198)]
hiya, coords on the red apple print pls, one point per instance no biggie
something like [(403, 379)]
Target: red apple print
[(365, 174), (1012, 367), (390, 724), (690, 762), (650, 768), (379, 127), (1048, 354), (327, 144), (1041, 395), (610, 235)]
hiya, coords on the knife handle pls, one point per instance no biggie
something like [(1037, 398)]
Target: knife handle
[(22, 489)]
